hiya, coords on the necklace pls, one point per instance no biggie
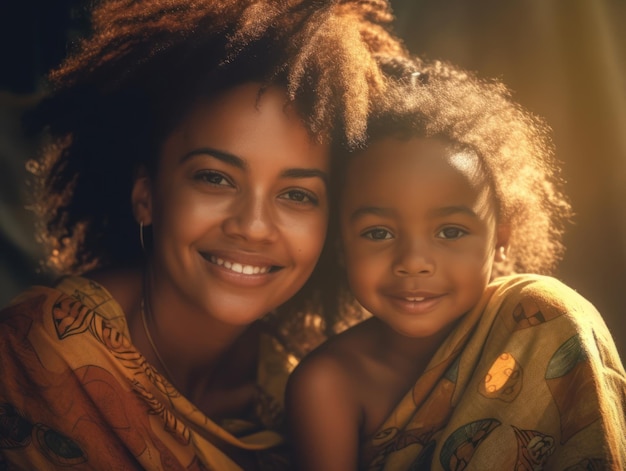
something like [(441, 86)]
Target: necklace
[(152, 344)]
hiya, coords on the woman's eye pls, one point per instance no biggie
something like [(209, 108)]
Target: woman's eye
[(377, 234), (299, 196), (212, 177), (451, 233)]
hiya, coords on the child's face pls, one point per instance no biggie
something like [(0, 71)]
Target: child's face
[(419, 233)]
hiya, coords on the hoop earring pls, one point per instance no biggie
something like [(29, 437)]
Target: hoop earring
[(143, 247)]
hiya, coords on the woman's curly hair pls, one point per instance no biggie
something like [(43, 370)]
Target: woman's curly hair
[(438, 100), (132, 79)]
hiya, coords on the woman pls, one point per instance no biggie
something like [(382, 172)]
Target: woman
[(185, 199)]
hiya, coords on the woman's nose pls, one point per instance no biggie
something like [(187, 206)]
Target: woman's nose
[(414, 258), (252, 218)]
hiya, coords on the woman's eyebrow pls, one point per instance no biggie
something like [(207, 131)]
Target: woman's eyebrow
[(218, 154), (242, 164), (305, 173)]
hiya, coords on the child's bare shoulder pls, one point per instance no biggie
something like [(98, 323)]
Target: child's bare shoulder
[(337, 357), (323, 400), (332, 369)]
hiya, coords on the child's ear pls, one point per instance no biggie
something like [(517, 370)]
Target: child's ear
[(503, 232), (141, 197)]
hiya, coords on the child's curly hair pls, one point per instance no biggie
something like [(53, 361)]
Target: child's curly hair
[(438, 100), (128, 84)]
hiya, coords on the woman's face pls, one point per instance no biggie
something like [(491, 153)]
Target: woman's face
[(238, 205)]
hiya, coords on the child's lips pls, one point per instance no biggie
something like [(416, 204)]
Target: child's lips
[(415, 302), (415, 296)]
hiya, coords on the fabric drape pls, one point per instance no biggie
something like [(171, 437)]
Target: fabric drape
[(530, 379), (76, 393)]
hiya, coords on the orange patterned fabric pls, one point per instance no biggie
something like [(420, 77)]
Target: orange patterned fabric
[(529, 380), (76, 394)]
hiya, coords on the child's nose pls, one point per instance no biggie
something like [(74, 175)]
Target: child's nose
[(414, 259)]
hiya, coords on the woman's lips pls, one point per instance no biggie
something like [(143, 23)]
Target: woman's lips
[(239, 266)]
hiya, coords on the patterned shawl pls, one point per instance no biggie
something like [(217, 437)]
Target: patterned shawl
[(74, 392), (529, 380)]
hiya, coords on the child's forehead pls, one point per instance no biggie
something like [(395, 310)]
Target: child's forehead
[(416, 176), (418, 154)]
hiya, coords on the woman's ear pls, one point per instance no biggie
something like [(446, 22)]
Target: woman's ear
[(141, 197), (503, 232)]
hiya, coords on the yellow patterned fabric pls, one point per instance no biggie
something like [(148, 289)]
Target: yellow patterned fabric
[(529, 380), (76, 394)]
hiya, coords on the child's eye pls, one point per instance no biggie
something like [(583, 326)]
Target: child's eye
[(299, 196), (377, 234), (451, 233), (212, 177)]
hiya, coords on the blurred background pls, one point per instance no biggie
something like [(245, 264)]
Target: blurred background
[(565, 60)]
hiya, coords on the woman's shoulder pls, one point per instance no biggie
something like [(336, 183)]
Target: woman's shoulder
[(82, 288), (66, 308), (27, 296), (36, 298)]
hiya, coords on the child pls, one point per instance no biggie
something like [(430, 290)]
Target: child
[(460, 366)]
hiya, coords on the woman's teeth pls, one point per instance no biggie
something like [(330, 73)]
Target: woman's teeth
[(238, 267), (414, 300)]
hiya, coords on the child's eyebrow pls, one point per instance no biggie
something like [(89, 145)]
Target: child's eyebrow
[(390, 212), (371, 210)]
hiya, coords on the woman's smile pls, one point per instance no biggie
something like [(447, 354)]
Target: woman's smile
[(239, 267), (241, 270), (243, 264)]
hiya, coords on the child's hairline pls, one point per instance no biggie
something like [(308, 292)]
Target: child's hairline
[(451, 144)]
